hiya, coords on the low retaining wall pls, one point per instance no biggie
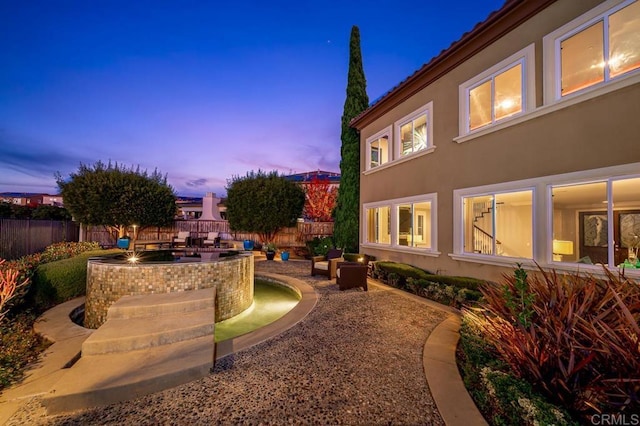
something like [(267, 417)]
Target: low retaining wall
[(107, 282)]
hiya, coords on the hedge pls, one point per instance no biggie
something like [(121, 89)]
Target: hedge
[(62, 280)]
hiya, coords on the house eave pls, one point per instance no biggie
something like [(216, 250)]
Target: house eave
[(498, 23)]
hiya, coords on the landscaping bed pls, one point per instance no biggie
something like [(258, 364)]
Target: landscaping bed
[(53, 276)]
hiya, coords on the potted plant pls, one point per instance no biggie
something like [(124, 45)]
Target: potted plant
[(284, 255), (270, 250), (248, 245)]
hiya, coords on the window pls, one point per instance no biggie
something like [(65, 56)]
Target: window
[(403, 224), (503, 91), (378, 225), (414, 220), (378, 149), (598, 47), (597, 223), (413, 133), (499, 224)]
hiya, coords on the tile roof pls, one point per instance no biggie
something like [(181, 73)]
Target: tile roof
[(476, 31)]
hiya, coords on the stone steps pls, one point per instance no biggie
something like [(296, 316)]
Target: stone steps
[(148, 321)]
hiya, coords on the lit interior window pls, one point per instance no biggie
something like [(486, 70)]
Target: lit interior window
[(413, 135), (480, 105), (379, 151), (582, 59), (624, 40), (508, 96), (497, 98)]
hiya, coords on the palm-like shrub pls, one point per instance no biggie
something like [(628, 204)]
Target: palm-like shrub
[(574, 337)]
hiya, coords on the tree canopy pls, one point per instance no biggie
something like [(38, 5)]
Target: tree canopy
[(263, 203), (117, 197), (320, 200), (346, 228)]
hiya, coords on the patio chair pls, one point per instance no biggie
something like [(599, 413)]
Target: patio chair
[(213, 239), (181, 240), (351, 275), (326, 265)]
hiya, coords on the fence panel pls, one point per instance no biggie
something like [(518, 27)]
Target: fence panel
[(20, 237), (288, 237)]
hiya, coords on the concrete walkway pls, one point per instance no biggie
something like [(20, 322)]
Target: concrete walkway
[(358, 358)]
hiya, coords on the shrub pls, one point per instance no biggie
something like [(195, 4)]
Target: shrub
[(574, 337), (9, 284), (442, 293), (320, 246), (501, 397), (62, 280), (19, 347)]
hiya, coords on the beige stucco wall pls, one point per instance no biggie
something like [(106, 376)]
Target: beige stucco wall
[(600, 132)]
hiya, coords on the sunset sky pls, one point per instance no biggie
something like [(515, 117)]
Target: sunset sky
[(199, 90)]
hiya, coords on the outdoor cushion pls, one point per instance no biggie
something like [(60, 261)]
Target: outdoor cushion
[(334, 253), (324, 265)]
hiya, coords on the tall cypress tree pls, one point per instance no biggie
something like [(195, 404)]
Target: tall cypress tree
[(348, 203)]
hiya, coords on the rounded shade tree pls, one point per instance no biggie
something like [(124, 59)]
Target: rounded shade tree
[(263, 203), (117, 197)]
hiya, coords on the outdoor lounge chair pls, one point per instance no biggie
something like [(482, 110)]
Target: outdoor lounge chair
[(181, 240), (351, 275), (213, 239), (326, 265)]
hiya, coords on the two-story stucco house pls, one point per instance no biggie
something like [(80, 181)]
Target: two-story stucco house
[(519, 143)]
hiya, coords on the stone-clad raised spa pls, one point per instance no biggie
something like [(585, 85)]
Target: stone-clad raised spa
[(108, 281)]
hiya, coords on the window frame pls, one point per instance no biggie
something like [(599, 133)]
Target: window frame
[(552, 78), (384, 132), (525, 57), (431, 198), (542, 219), (397, 135)]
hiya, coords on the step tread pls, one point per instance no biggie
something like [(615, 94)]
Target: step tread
[(153, 305)]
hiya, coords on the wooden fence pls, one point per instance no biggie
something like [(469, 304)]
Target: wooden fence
[(288, 237), (19, 237)]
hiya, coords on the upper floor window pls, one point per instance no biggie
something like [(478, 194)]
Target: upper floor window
[(414, 132), (597, 47), (502, 91), (378, 149)]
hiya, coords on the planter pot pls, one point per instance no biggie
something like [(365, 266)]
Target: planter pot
[(248, 245), (271, 255), (123, 243), (284, 256)]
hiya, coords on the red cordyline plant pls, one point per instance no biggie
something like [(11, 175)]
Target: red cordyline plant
[(9, 283), (575, 337)]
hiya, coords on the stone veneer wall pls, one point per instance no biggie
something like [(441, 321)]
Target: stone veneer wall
[(107, 282)]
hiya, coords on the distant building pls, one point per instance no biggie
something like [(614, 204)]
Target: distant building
[(29, 198), (306, 178)]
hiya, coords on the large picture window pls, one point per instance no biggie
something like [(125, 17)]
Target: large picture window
[(403, 223), (596, 48), (597, 223), (499, 224)]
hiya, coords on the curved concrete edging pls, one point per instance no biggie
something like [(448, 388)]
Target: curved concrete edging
[(440, 368), (308, 300)]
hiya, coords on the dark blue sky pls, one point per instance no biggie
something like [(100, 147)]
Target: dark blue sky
[(199, 90)]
